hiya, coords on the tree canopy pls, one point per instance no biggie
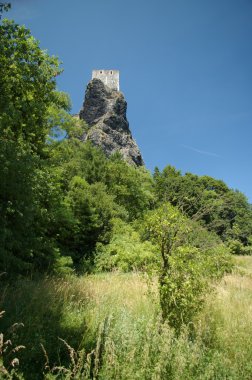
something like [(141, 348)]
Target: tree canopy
[(61, 198)]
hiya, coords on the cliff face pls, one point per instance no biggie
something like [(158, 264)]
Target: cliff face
[(104, 110)]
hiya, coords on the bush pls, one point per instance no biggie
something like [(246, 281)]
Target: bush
[(186, 269), (237, 248), (183, 288), (126, 251)]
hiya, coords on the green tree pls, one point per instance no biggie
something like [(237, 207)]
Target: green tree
[(4, 7), (28, 188), (187, 263), (73, 158), (205, 199), (89, 220), (126, 251), (27, 82), (166, 226), (132, 187)]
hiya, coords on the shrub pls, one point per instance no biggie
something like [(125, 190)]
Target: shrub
[(182, 290), (126, 251), (237, 248), (186, 269)]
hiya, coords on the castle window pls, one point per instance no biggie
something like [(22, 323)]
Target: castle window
[(100, 72), (111, 72)]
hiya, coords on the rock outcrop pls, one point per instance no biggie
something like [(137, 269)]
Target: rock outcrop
[(104, 110)]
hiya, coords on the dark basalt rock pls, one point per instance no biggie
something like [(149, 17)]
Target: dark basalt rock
[(104, 110)]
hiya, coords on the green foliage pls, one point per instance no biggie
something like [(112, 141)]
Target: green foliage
[(95, 190), (63, 266), (237, 248), (91, 210), (205, 199), (132, 187), (4, 7), (73, 158), (29, 198), (187, 265), (166, 226), (28, 190), (64, 207), (183, 288), (27, 82), (126, 252), (65, 193)]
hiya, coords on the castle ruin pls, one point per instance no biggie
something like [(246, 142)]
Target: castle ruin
[(109, 77)]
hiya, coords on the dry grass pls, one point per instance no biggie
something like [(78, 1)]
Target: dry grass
[(227, 320), (112, 322), (74, 309), (244, 265), (117, 291)]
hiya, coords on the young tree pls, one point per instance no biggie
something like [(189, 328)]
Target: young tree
[(186, 265)]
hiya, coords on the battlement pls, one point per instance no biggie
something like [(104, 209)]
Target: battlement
[(109, 77)]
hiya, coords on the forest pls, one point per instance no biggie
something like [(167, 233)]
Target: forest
[(109, 271)]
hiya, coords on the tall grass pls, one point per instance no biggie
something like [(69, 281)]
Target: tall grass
[(228, 322), (111, 329)]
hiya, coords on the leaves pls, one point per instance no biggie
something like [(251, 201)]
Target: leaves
[(205, 199), (27, 187), (188, 263), (4, 7)]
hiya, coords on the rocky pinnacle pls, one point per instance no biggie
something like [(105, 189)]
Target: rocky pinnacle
[(104, 110)]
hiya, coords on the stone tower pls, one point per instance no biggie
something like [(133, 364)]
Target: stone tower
[(109, 77)]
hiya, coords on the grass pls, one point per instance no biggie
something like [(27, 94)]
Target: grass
[(72, 309), (231, 313), (244, 265), (112, 322)]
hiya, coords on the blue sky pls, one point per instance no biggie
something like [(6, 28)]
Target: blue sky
[(185, 69)]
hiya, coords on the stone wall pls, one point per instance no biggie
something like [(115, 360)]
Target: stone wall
[(109, 77)]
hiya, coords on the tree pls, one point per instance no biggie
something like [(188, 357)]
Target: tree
[(166, 226), (132, 187), (126, 251), (4, 7), (186, 265), (90, 213), (27, 188), (27, 82), (205, 199)]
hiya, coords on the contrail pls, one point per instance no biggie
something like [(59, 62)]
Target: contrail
[(200, 151)]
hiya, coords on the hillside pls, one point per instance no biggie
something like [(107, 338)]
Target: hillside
[(109, 271)]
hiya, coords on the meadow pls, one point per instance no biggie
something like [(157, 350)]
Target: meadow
[(108, 326)]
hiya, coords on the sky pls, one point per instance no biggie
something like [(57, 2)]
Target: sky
[(185, 70)]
